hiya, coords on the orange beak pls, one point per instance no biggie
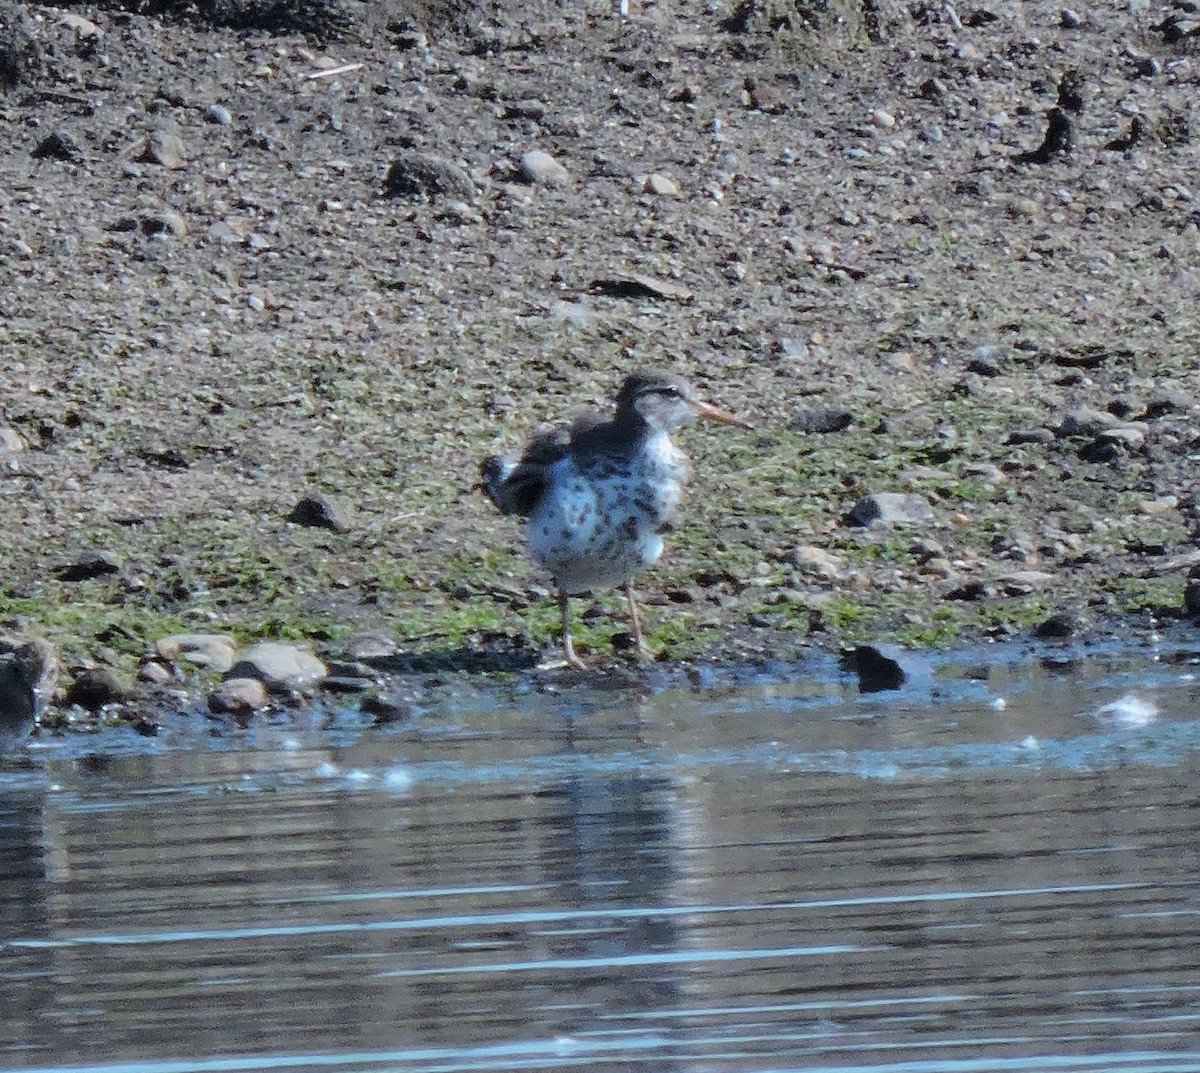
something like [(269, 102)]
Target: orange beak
[(714, 413)]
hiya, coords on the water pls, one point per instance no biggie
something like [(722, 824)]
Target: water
[(994, 868)]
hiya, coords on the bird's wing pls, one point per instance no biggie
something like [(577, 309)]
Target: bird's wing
[(517, 487)]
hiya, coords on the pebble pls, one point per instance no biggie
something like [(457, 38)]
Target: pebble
[(59, 145), (164, 223), (238, 696), (10, 442), (216, 651), (810, 559), (829, 419), (369, 646), (89, 565), (165, 148), (891, 508), (216, 113), (420, 176), (662, 185), (282, 668), (1084, 421), (538, 166), (96, 687), (319, 512)]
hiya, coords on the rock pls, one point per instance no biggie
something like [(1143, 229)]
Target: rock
[(165, 148), (282, 668), (164, 223), (387, 709), (1084, 422), (90, 564), (1057, 627), (83, 27), (809, 559), (540, 168), (319, 511), (154, 672), (216, 651), (216, 113), (365, 647), (891, 508), (879, 667), (238, 697), (640, 286), (828, 419), (1029, 435), (662, 185), (10, 442), (96, 687), (347, 683), (418, 176), (59, 145)]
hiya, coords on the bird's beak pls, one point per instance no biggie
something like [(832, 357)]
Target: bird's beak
[(715, 413)]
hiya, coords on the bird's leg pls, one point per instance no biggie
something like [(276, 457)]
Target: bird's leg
[(570, 659), (636, 621)]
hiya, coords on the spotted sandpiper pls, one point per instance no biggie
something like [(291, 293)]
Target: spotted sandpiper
[(28, 675), (597, 496)]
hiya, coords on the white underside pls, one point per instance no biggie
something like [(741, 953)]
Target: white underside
[(590, 545)]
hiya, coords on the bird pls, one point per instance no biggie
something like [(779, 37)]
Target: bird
[(598, 495), (28, 677)]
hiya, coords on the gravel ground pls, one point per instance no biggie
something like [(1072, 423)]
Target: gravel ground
[(259, 252)]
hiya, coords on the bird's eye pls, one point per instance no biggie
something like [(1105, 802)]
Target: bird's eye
[(670, 390)]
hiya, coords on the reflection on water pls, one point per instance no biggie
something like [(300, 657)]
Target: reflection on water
[(992, 870)]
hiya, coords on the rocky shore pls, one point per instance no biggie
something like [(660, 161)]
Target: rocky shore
[(276, 277)]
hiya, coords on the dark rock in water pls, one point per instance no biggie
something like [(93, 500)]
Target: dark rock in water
[(1057, 627), (319, 511), (89, 565), (388, 709), (878, 667), (93, 689)]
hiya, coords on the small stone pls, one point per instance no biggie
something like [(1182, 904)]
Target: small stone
[(83, 27), (238, 697), (810, 559), (829, 419), (1069, 19), (154, 672), (1057, 627), (215, 651), (1029, 435), (165, 148), (282, 668), (89, 565), (216, 113), (539, 167), (94, 688), (1084, 421), (387, 709), (59, 145), (164, 223), (365, 647), (662, 185), (319, 511), (891, 508), (10, 442), (418, 176), (883, 119)]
